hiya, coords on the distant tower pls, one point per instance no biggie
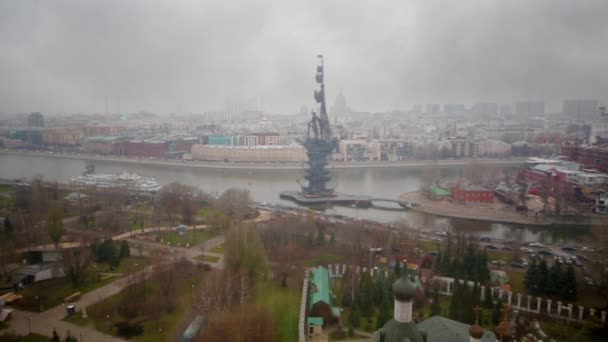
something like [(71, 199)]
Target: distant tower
[(401, 327)]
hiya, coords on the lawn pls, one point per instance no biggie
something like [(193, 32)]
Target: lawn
[(203, 212), (208, 258), (53, 292), (169, 322), (516, 280), (284, 305), (193, 237), (5, 188), (217, 250), (324, 259)]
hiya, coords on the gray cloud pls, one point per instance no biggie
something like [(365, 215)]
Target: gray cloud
[(72, 55)]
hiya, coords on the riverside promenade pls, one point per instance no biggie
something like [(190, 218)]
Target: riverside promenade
[(411, 164), (475, 211)]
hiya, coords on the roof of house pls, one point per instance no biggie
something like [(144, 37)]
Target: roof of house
[(314, 321), (443, 329), (320, 287), (394, 331), (438, 191), (467, 186)]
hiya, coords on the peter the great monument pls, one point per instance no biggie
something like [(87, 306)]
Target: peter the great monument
[(319, 143)]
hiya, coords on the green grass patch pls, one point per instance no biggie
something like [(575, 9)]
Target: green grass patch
[(208, 258), (324, 259), (203, 212), (516, 280), (217, 249), (428, 246), (284, 305), (5, 188), (53, 292), (192, 237), (152, 317), (34, 338)]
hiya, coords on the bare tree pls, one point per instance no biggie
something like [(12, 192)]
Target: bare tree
[(234, 203), (54, 223), (76, 262), (475, 171)]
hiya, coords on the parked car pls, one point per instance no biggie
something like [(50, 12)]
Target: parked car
[(536, 244), (507, 248), (491, 247), (499, 262), (569, 249), (582, 257), (526, 249), (485, 239), (587, 249), (578, 263), (544, 252)]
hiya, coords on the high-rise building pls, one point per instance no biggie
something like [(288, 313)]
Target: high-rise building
[(340, 107), (527, 109), (485, 108), (35, 120), (454, 108), (433, 108), (506, 109), (581, 109)]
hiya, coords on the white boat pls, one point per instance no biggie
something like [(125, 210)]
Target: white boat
[(124, 180)]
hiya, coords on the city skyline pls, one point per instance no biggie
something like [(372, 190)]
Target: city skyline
[(70, 57)]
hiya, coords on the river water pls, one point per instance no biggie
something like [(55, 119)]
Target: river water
[(265, 186)]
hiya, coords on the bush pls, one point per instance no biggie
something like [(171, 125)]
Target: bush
[(128, 330)]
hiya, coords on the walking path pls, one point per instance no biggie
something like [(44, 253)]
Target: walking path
[(43, 323)]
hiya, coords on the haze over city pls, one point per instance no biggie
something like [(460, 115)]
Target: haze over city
[(71, 56), (312, 171)]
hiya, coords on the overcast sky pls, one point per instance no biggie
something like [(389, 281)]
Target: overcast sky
[(69, 56)]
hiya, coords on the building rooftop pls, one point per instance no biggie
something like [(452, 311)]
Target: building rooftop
[(441, 329), (320, 287)]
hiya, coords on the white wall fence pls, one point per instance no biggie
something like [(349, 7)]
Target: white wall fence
[(517, 301), (527, 303), (303, 310)]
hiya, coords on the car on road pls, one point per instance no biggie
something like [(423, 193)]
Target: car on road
[(491, 247), (569, 249), (485, 239), (499, 262), (582, 257), (526, 249), (507, 248), (536, 244), (587, 249), (544, 252), (518, 264)]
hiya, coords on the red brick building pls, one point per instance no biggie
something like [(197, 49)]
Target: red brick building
[(471, 193), (143, 148), (590, 157)]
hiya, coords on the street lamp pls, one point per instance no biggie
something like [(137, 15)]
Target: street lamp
[(29, 324), (109, 323), (38, 303), (162, 337)]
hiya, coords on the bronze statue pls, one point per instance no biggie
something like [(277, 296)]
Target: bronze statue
[(314, 125)]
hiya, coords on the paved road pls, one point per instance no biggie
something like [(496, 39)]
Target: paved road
[(416, 164)]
